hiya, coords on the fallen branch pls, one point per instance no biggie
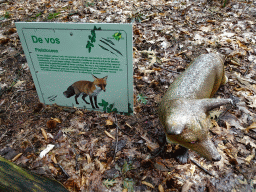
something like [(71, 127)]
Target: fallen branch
[(198, 165), (117, 126)]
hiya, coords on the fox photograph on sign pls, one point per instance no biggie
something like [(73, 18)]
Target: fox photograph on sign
[(81, 65)]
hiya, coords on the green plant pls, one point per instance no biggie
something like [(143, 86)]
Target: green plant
[(109, 183), (7, 15), (225, 3), (138, 17), (126, 167), (38, 14), (88, 4), (142, 98), (53, 15), (129, 184)]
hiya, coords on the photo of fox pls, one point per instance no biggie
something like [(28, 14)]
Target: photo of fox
[(86, 88)]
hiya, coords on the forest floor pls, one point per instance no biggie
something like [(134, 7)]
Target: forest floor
[(167, 36)]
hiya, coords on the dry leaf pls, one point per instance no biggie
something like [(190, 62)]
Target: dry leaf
[(16, 157), (151, 145), (252, 126), (160, 188), (250, 157), (186, 186), (53, 158), (51, 124), (109, 135), (44, 134), (99, 165), (88, 158), (192, 169), (101, 151), (109, 122), (19, 83), (53, 169), (67, 130), (56, 119), (148, 184)]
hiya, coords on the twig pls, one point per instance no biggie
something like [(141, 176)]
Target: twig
[(3, 135), (63, 170), (34, 150), (74, 151), (197, 164), (116, 138), (250, 136), (166, 69), (77, 164)]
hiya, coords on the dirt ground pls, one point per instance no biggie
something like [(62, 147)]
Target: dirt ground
[(168, 35)]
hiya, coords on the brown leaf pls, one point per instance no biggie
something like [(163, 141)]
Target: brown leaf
[(148, 184), (109, 122), (38, 107), (211, 21), (56, 119), (151, 145), (44, 134), (16, 157), (250, 157), (88, 158), (160, 188), (160, 166), (53, 158), (51, 124), (109, 135), (252, 126), (4, 41)]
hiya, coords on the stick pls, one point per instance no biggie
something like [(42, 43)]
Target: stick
[(116, 138), (63, 170), (198, 165)]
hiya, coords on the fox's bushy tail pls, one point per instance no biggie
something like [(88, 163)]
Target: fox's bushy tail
[(70, 92)]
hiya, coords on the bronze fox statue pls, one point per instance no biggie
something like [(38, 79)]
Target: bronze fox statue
[(184, 108)]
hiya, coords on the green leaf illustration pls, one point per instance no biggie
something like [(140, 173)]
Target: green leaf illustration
[(104, 104), (115, 110), (117, 36), (92, 38), (93, 33)]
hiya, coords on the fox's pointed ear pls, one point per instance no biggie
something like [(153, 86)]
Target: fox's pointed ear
[(94, 77), (105, 78)]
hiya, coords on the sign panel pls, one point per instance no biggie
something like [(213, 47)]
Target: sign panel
[(79, 64)]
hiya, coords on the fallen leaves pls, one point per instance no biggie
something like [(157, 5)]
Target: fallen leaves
[(51, 124)]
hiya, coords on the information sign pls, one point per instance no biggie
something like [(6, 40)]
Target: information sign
[(78, 64)]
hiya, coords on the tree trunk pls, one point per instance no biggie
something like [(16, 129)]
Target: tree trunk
[(14, 178)]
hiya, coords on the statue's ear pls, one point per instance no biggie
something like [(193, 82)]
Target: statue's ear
[(175, 130)]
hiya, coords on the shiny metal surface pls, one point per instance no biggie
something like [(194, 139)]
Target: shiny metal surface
[(183, 109)]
